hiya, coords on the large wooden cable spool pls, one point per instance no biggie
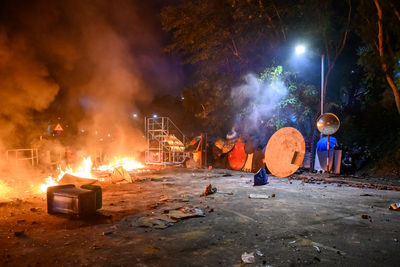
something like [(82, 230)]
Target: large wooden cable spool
[(285, 151)]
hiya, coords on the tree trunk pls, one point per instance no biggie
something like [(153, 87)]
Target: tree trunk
[(389, 78), (395, 90)]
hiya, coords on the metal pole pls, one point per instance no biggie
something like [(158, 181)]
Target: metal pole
[(322, 84), (327, 155)]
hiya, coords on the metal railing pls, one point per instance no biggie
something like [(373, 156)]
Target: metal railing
[(17, 156)]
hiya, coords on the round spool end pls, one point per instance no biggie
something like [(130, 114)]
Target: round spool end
[(285, 151)]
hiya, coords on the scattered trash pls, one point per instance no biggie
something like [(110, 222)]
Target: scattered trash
[(365, 195), (395, 240), (210, 167), (317, 248), (19, 233), (273, 195), (157, 222), (184, 199), (259, 253), (158, 179), (261, 177), (259, 196), (395, 206), (304, 242), (184, 213), (108, 233), (209, 190), (34, 209), (364, 216), (163, 198), (226, 175), (248, 257)]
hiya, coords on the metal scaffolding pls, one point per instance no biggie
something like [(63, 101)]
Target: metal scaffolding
[(165, 142)]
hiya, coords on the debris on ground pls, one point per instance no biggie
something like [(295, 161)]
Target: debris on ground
[(259, 253), (316, 180), (259, 196), (119, 174), (19, 233), (304, 242), (163, 198), (158, 222), (261, 177), (364, 216), (248, 257), (185, 212), (273, 195), (209, 190), (395, 206), (108, 233), (184, 199), (317, 248)]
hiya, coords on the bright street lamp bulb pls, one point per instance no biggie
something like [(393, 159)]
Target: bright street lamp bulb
[(155, 116), (300, 49), (134, 115)]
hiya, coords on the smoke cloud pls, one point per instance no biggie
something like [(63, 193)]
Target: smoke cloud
[(257, 101), (88, 62), (25, 86)]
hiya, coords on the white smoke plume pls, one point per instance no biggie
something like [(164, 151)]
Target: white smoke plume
[(257, 100)]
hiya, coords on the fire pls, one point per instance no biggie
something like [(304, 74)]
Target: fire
[(127, 163), (50, 181), (4, 190), (84, 171)]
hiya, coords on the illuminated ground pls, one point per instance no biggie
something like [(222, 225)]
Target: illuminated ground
[(304, 224)]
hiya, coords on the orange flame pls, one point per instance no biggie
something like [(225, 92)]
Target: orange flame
[(127, 163), (84, 171)]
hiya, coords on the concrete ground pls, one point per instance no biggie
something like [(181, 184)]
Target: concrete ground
[(304, 224)]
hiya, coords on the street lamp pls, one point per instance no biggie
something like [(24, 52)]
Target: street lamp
[(301, 49)]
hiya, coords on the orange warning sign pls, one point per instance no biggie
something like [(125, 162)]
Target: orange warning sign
[(58, 128)]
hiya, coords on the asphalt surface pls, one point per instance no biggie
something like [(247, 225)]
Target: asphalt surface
[(303, 224)]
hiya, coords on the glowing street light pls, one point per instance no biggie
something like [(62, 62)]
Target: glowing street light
[(301, 49), (134, 115), (155, 116)]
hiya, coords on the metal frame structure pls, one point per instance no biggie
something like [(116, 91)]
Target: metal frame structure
[(158, 131), (17, 155)]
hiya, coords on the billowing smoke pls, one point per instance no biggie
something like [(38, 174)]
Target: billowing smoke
[(101, 57), (25, 86), (256, 101)]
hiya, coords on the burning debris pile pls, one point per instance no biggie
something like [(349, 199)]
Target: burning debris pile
[(116, 170)]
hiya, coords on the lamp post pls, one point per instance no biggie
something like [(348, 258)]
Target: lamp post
[(322, 84)]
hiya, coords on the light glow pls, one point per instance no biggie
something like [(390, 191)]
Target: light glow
[(300, 49)]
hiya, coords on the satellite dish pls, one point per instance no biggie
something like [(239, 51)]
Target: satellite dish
[(285, 151), (328, 123)]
